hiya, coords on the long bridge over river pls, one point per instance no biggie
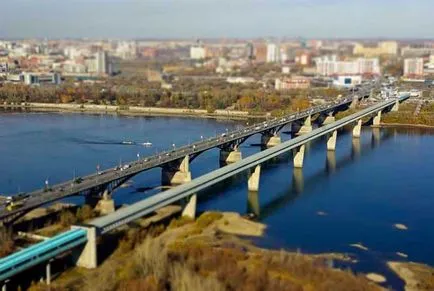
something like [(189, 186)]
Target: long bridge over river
[(82, 239), (175, 163)]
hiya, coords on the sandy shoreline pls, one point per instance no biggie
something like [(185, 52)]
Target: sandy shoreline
[(132, 111), (417, 277), (407, 125)]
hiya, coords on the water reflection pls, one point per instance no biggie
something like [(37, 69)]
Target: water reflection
[(331, 162), (355, 148), (253, 203), (299, 183)]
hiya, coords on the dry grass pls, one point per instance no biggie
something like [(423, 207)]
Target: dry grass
[(212, 261), (6, 242)]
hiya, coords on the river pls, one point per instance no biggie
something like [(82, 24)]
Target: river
[(353, 196)]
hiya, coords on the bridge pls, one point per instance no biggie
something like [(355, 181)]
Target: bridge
[(82, 239), (175, 163)]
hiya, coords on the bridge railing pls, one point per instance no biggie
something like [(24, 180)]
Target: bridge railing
[(41, 252)]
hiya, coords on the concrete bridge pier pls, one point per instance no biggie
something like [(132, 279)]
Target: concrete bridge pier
[(377, 119), (48, 273), (229, 156), (299, 157), (331, 142), (329, 119), (270, 140), (395, 107), (86, 256), (190, 208), (354, 103), (253, 203), (357, 130), (176, 173), (5, 285), (106, 205), (306, 127), (253, 181)]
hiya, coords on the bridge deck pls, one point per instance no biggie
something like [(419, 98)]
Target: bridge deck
[(149, 205), (69, 188)]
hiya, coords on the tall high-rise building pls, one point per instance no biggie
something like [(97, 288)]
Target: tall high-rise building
[(101, 62), (272, 53), (413, 67), (260, 52), (250, 51)]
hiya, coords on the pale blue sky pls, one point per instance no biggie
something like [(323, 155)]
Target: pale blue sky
[(217, 18)]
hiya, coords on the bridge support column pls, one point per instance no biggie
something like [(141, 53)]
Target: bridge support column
[(299, 157), (331, 142), (377, 119), (395, 107), (48, 273), (329, 119), (106, 205), (178, 174), (190, 208), (357, 129), (5, 285), (253, 182), (307, 126), (270, 140), (354, 103), (86, 256), (230, 156)]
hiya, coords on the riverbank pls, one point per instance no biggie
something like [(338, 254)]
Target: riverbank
[(200, 255), (417, 277), (406, 125), (133, 110)]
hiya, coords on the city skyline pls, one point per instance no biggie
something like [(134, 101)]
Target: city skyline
[(216, 19)]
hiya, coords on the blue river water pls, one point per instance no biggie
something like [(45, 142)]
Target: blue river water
[(353, 196)]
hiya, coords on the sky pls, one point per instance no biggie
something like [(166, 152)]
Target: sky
[(216, 18)]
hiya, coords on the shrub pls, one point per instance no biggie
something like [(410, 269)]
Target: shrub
[(6, 242), (181, 221), (67, 218), (208, 218)]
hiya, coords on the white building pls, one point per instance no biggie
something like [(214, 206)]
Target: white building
[(272, 53), (240, 80), (126, 50), (330, 66), (41, 78), (197, 52), (413, 67)]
